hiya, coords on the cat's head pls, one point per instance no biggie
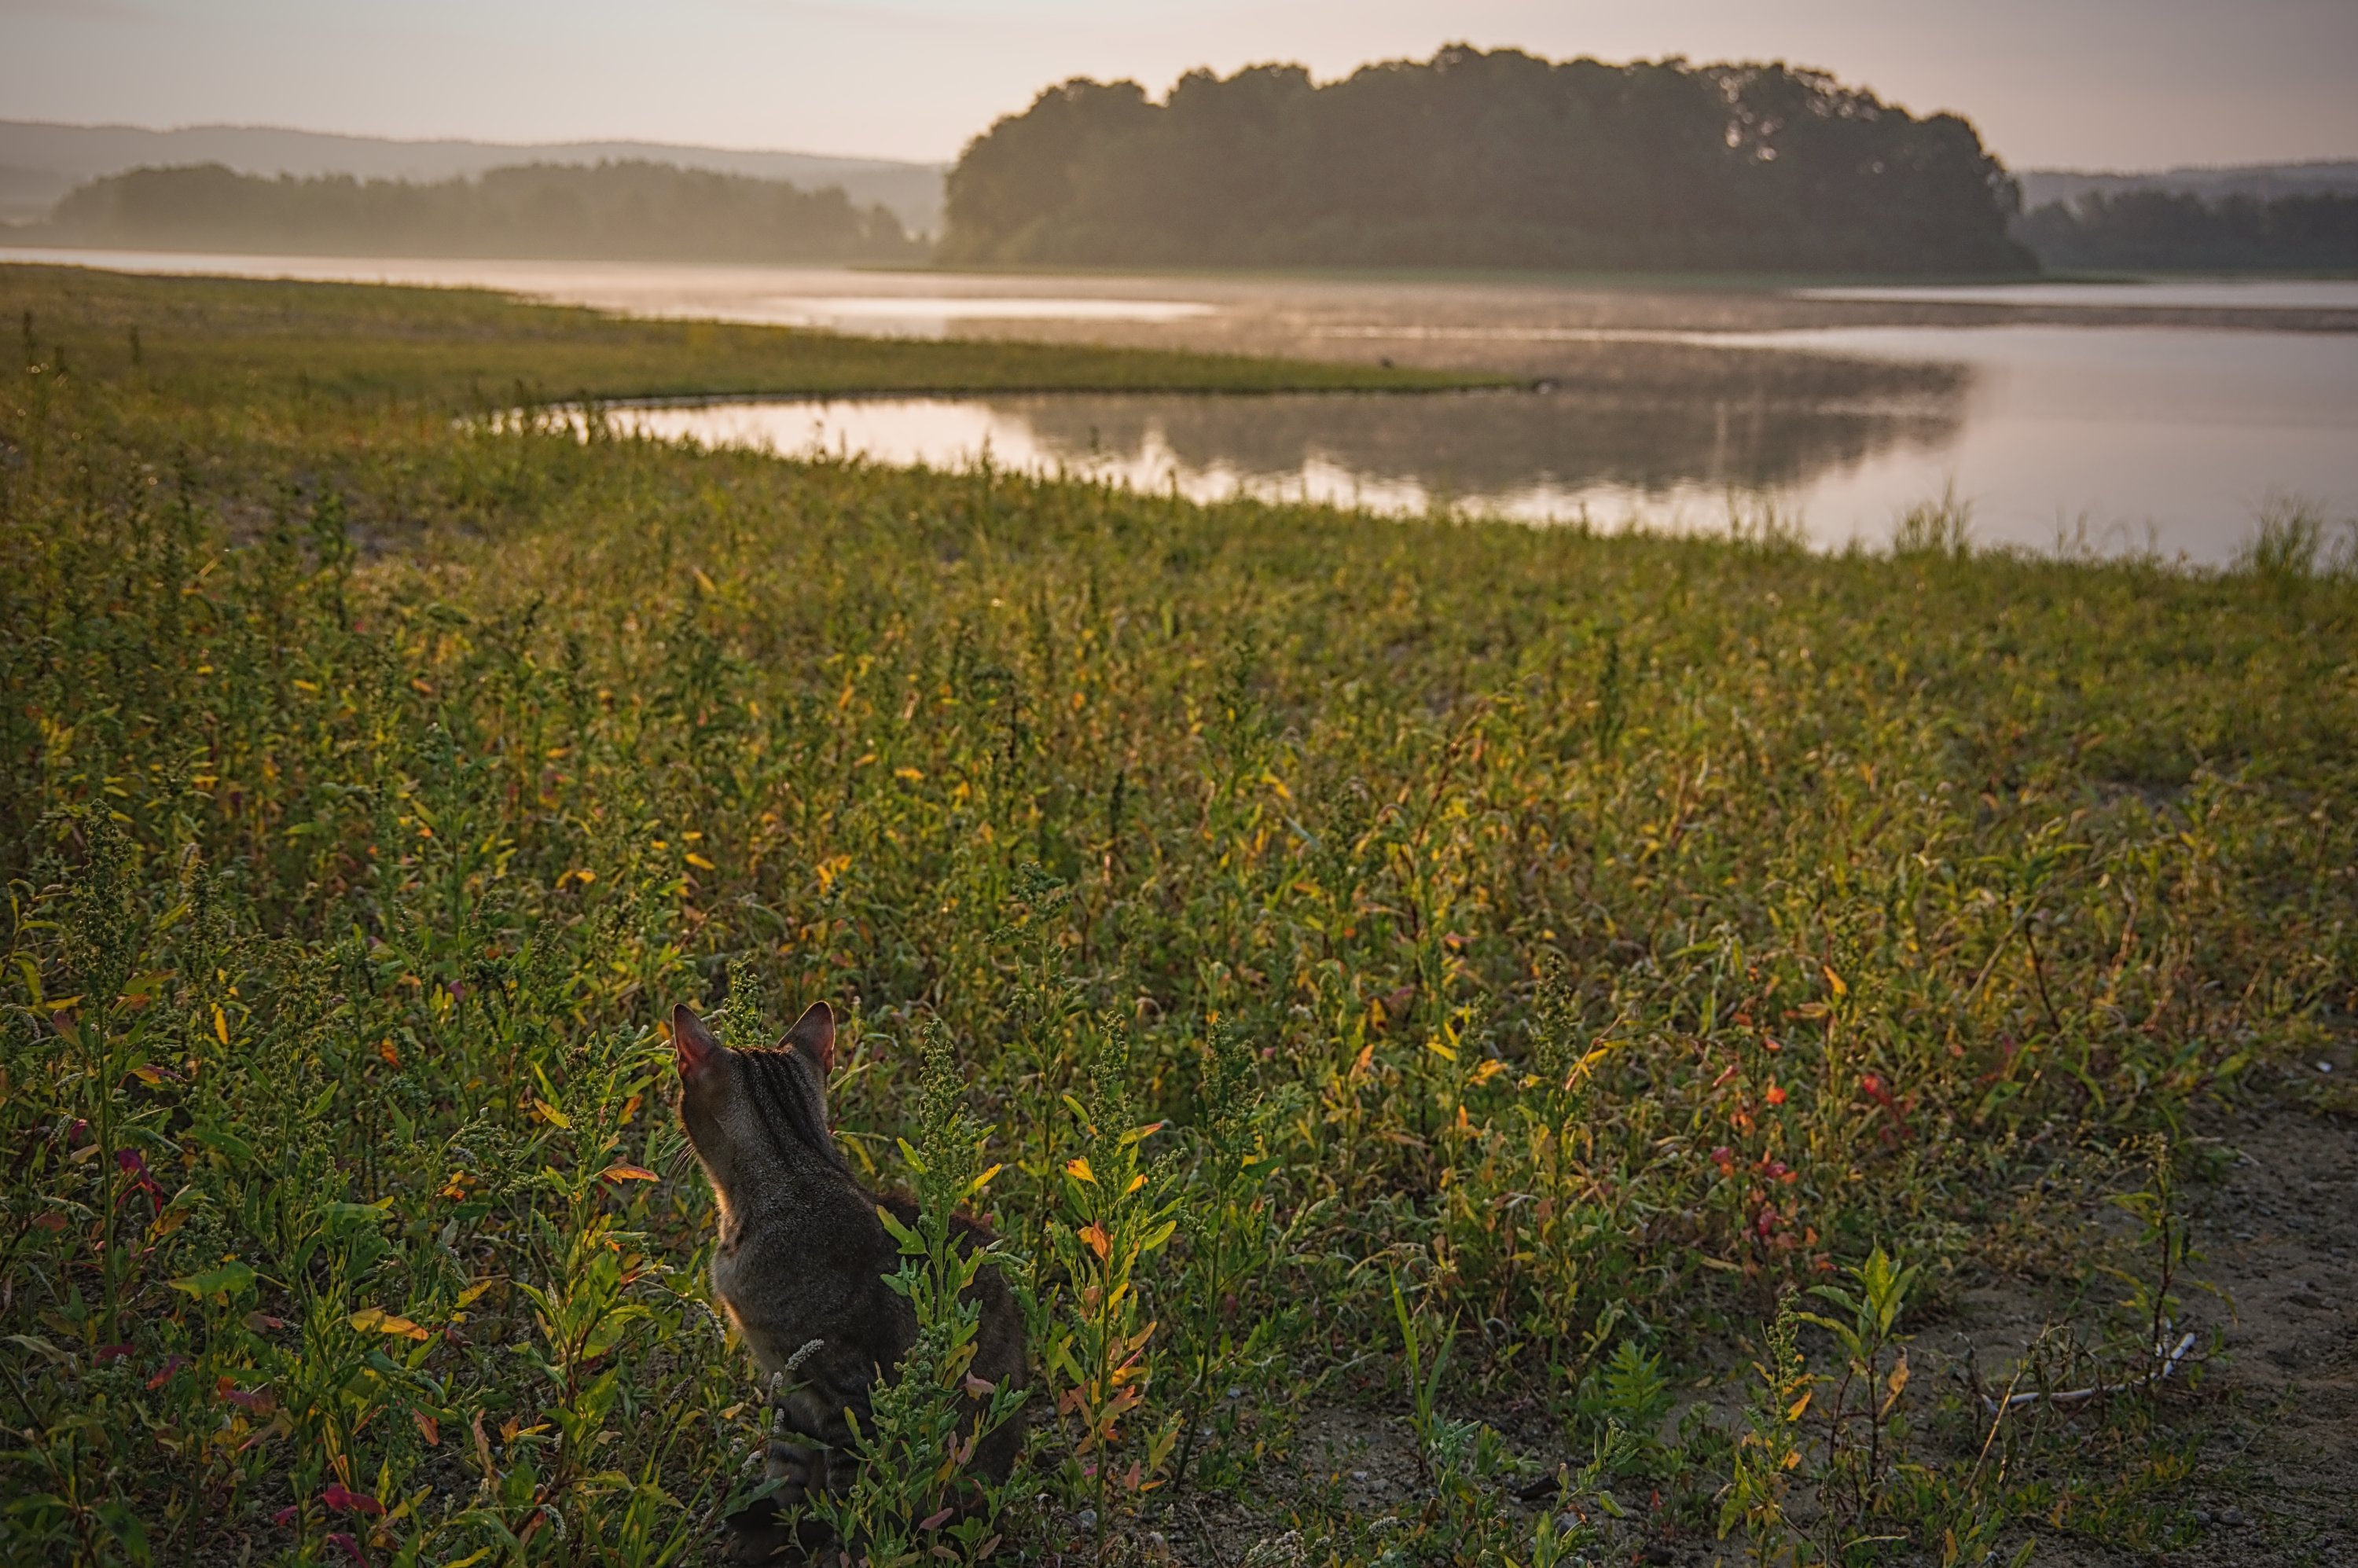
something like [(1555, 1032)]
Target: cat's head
[(753, 1116)]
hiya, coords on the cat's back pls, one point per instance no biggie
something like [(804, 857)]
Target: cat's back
[(810, 1264)]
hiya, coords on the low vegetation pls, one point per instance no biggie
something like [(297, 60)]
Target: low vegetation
[(1572, 1008)]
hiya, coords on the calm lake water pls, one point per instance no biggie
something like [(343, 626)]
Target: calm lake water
[(2113, 416)]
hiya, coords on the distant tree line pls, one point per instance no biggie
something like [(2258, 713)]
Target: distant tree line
[(1478, 159), (2161, 231), (624, 212)]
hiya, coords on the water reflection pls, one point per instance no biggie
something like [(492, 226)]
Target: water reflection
[(1493, 446), (1537, 457)]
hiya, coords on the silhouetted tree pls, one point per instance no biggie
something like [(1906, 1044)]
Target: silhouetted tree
[(1476, 158)]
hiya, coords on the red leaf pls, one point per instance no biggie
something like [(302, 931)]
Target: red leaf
[(257, 1401), (344, 1501)]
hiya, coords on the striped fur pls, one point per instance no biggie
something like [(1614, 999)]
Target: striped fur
[(803, 1257)]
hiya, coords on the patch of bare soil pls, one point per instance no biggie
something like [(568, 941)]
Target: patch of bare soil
[(2278, 1481), (2271, 1420)]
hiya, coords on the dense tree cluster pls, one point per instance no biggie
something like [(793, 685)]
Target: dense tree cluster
[(638, 212), (1487, 159), (2162, 231)]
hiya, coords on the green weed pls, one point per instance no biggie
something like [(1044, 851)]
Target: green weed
[(1610, 937)]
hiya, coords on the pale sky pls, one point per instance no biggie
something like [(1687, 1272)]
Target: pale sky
[(2089, 83)]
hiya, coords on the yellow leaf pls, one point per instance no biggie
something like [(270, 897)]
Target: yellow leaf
[(627, 1173), (699, 862), (1898, 1385), (1836, 980), (1078, 1169), (1793, 1412), (914, 775), (221, 1024), (1098, 1241), (1442, 1048), (701, 580), (469, 1296), (549, 1113)]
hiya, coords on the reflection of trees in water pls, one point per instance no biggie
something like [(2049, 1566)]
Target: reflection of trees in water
[(1473, 444)]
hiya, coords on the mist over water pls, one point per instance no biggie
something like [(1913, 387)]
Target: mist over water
[(2120, 416)]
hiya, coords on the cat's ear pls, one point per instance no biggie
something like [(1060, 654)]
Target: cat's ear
[(813, 1035), (694, 1047)]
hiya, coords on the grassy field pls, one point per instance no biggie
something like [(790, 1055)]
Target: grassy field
[(1434, 991)]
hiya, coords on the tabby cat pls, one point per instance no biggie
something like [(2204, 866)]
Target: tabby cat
[(803, 1260)]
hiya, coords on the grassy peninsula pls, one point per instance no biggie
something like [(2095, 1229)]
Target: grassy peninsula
[(213, 345)]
